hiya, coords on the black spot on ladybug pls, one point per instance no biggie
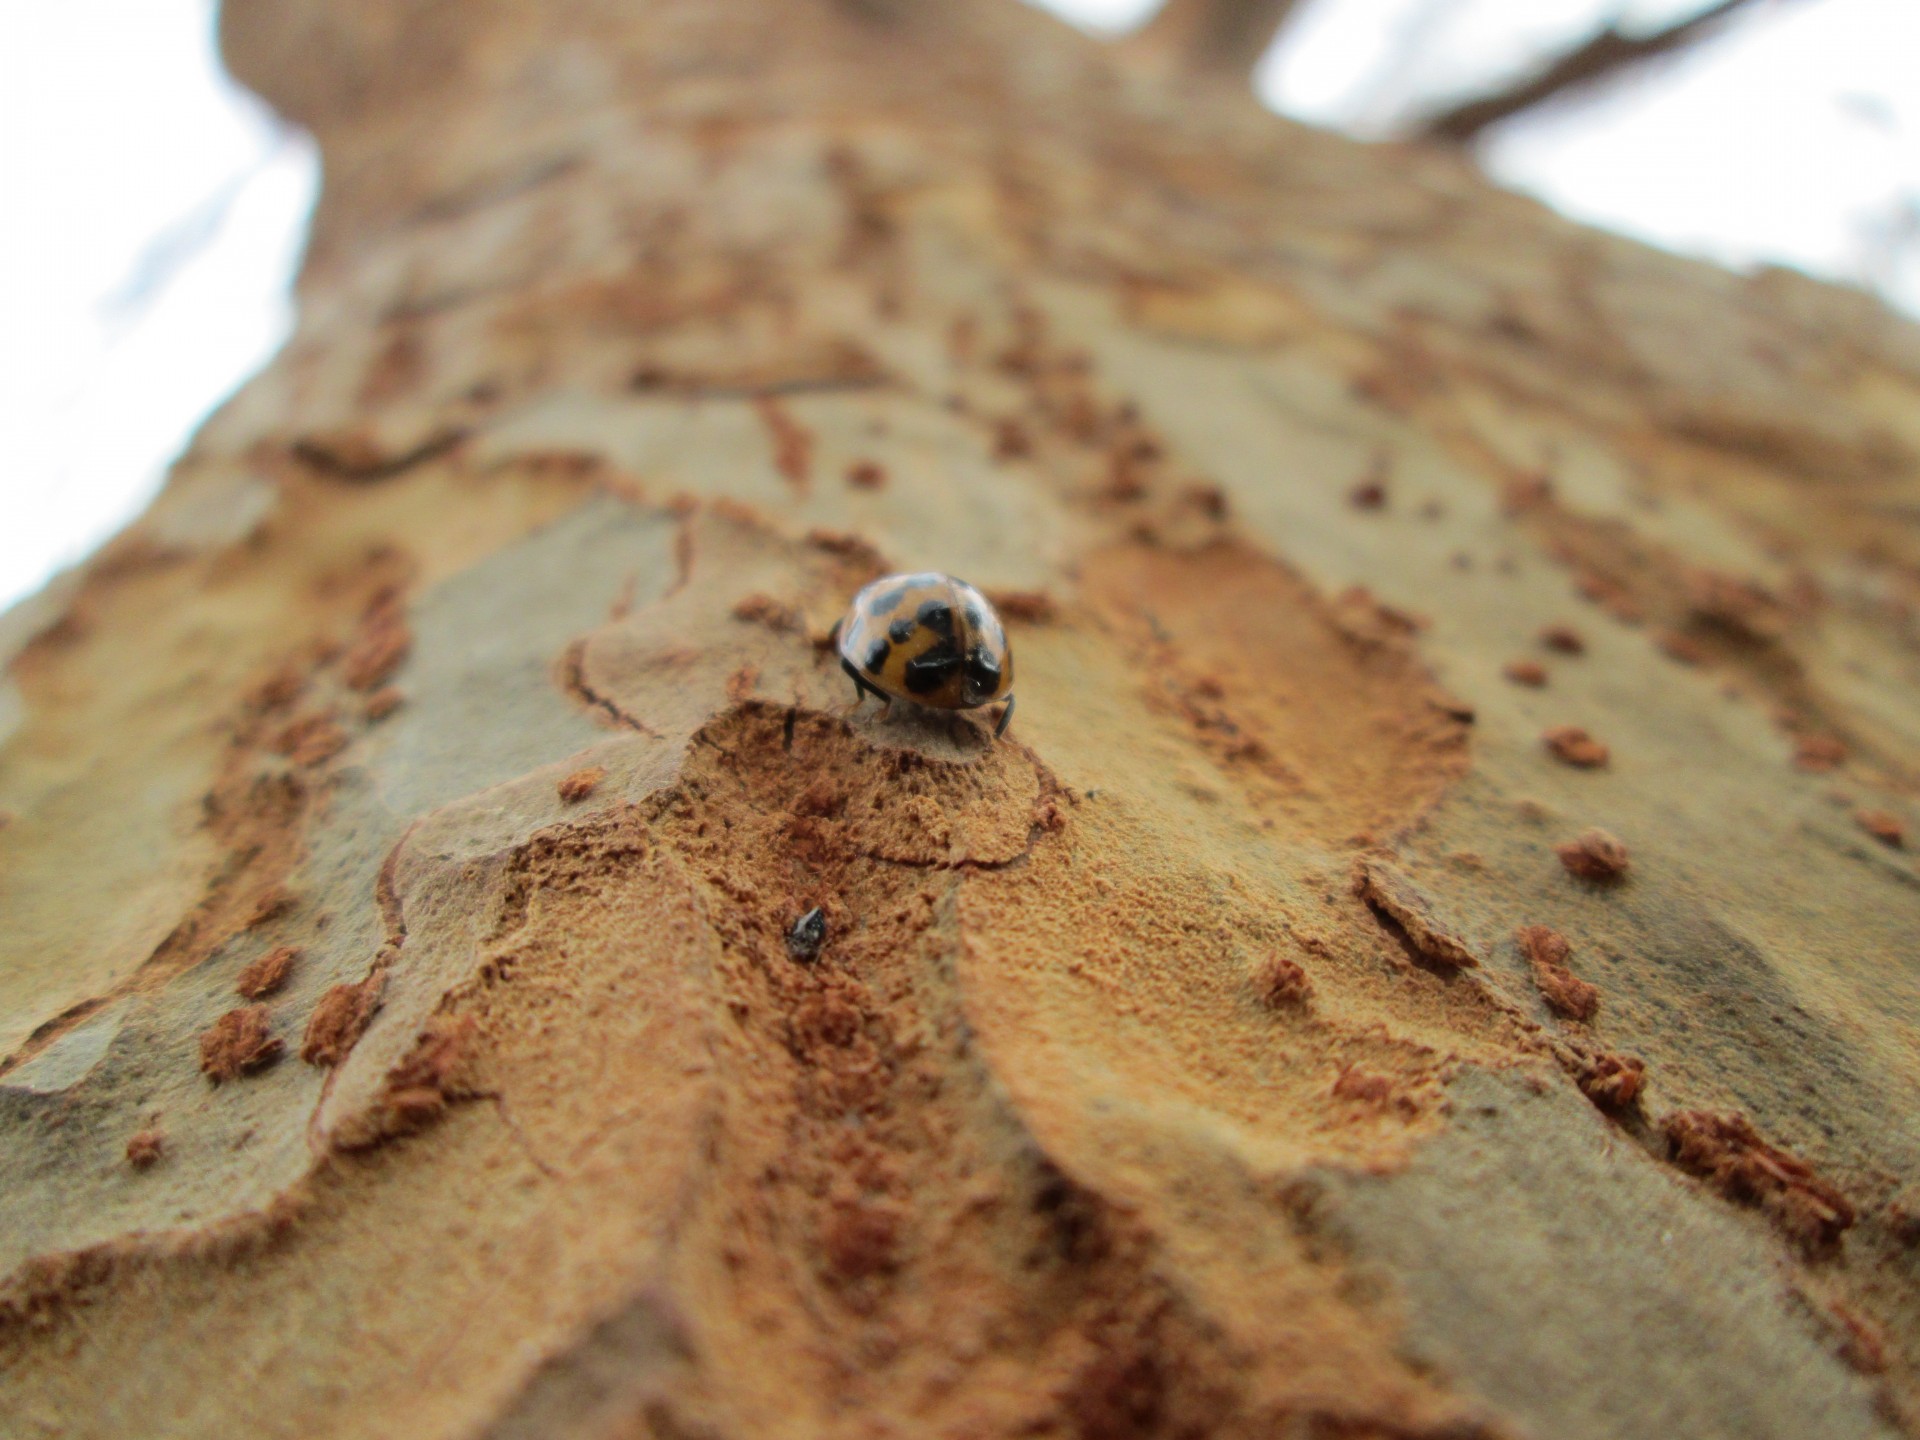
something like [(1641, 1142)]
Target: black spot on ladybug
[(974, 621), (808, 935), (932, 668), (889, 601), (877, 654), (983, 671), (937, 616), (900, 631)]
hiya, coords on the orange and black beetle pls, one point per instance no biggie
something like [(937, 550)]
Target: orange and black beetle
[(929, 639)]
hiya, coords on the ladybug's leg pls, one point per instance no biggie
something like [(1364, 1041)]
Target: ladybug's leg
[(1005, 716), (861, 689)]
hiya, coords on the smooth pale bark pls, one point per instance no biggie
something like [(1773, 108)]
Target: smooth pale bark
[(1221, 38), (1227, 1052)]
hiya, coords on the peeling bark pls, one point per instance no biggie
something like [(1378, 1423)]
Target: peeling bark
[(1270, 1036)]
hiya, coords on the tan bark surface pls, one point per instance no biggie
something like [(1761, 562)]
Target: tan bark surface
[(403, 819)]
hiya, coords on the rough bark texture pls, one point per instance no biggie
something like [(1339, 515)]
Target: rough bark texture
[(1271, 1037)]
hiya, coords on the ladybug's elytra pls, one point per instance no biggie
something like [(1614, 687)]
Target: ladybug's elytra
[(929, 639)]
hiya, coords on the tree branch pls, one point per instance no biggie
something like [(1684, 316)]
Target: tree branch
[(1219, 37), (1602, 57)]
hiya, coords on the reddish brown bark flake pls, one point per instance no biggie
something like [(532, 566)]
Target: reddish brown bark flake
[(867, 475), (1010, 440), (1610, 596), (1530, 673), (792, 442), (381, 644), (1368, 495), (1677, 645), (1049, 815), (311, 740), (1563, 640), (860, 1238), (1284, 983), (1531, 492), (239, 1043), (1594, 855), (1210, 500), (1726, 1152), (1819, 753), (419, 1087), (846, 546), (351, 453), (1863, 1344), (1574, 746), (1391, 893), (277, 691), (383, 702), (1126, 477), (1613, 1082), (1547, 952), (1035, 607), (274, 901), (1882, 825), (145, 1147), (267, 973), (1735, 606), (1902, 1216), (763, 609), (398, 369), (581, 783), (1353, 1083), (339, 1020)]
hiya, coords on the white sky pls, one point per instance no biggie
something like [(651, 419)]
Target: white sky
[(120, 139), (159, 211), (1792, 138)]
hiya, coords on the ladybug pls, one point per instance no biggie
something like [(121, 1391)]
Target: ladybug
[(929, 639)]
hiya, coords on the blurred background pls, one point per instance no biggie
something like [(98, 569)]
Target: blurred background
[(160, 210)]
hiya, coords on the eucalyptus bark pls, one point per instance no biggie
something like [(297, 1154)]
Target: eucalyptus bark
[(1221, 39), (1434, 955)]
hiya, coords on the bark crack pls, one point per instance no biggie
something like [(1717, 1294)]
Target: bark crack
[(573, 681)]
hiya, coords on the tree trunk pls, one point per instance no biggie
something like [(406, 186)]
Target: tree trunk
[(403, 821)]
